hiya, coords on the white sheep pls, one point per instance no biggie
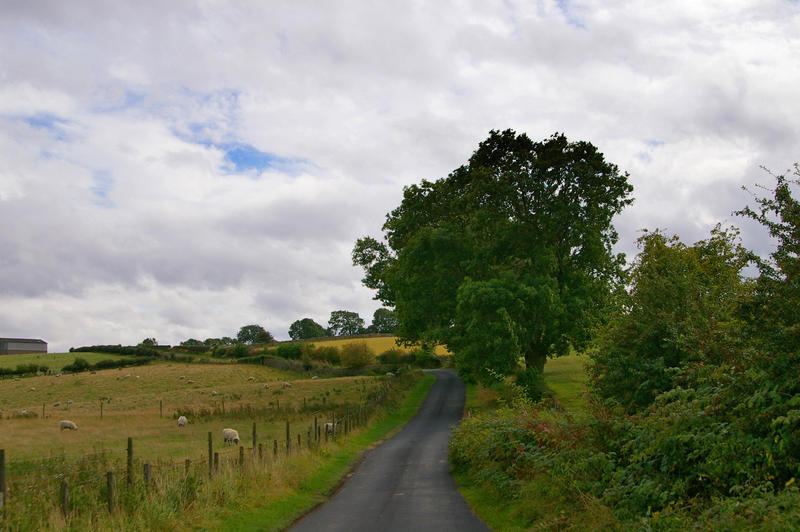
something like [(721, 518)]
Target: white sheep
[(286, 384), (190, 381), (33, 389), (57, 403), (266, 386), (128, 376), (182, 377), (251, 378), (314, 377), (182, 421), (213, 394), (67, 424), (230, 435), (389, 374)]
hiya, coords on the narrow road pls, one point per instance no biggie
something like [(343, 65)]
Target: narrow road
[(404, 485)]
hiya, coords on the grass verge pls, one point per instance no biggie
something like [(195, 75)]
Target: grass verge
[(325, 472)]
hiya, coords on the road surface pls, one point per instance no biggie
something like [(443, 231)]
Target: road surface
[(404, 485)]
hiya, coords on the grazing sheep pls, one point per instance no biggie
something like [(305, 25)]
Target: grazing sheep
[(23, 412), (251, 378), (230, 435), (69, 402), (33, 389), (182, 421), (56, 404), (389, 374), (58, 374), (314, 377), (286, 384), (67, 424), (137, 376), (266, 386), (213, 394), (182, 377), (190, 381), (128, 376)]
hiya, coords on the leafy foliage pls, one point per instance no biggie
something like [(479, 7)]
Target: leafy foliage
[(345, 323), (513, 248), (254, 334), (306, 328)]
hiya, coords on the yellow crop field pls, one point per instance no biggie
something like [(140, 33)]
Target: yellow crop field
[(378, 344)]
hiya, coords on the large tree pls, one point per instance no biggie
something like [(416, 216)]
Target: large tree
[(384, 321), (254, 334), (345, 323), (306, 328), (509, 256)]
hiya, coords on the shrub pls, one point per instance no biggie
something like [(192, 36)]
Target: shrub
[(391, 356), (79, 364), (290, 351), (326, 353), (357, 355)]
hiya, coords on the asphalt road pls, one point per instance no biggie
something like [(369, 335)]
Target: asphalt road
[(405, 483)]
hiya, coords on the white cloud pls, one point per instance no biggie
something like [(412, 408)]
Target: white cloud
[(122, 217)]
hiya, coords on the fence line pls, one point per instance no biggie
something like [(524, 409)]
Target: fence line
[(139, 473)]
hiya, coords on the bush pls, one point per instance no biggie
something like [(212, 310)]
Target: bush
[(357, 355), (78, 365), (391, 356), (531, 381), (290, 351), (326, 353)]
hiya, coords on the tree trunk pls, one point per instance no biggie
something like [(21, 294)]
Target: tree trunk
[(535, 358)]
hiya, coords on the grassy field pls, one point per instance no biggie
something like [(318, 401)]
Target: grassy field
[(133, 400), (566, 378), (54, 361), (378, 344)]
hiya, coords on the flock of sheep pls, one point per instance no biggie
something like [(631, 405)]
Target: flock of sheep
[(228, 435)]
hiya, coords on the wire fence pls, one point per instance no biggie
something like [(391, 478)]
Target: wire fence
[(71, 481)]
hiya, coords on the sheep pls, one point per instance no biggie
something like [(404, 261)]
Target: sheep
[(389, 374), (251, 378), (314, 377), (190, 381), (69, 402), (266, 386), (182, 377), (57, 403), (33, 389), (58, 374), (182, 421), (137, 376), (329, 428), (230, 435), (213, 394), (128, 376), (286, 384), (67, 424)]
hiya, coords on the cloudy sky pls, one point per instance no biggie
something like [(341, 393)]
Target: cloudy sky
[(180, 169)]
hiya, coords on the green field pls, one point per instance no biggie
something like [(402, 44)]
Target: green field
[(54, 361), (566, 378)]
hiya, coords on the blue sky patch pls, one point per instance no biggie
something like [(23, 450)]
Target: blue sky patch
[(102, 185), (48, 122), (245, 158)]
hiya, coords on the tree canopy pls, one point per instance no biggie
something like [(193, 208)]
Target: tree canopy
[(345, 323), (384, 321), (306, 328), (254, 334), (509, 256)]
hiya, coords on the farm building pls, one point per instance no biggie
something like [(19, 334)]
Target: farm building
[(13, 346)]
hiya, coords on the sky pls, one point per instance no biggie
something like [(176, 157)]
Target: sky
[(180, 169)]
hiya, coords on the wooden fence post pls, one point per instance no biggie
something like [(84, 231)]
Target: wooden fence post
[(260, 453), (210, 456), (2, 483), (216, 461), (110, 489), (160, 408), (42, 410), (275, 449), (101, 409), (130, 461), (65, 498), (241, 457)]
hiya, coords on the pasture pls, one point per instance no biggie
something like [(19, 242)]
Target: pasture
[(54, 361), (143, 403)]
